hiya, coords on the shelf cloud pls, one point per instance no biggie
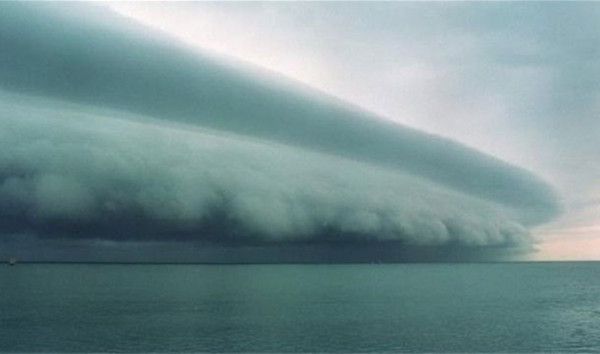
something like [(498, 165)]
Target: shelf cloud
[(110, 132)]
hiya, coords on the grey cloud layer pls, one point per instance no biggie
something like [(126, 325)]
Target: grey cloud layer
[(220, 154), (73, 171)]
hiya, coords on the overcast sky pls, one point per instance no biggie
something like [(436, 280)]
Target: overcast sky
[(520, 81)]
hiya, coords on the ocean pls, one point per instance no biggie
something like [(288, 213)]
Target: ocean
[(471, 307)]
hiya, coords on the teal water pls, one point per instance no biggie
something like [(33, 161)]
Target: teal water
[(516, 307)]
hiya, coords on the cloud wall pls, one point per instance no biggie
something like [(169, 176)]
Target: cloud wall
[(110, 131)]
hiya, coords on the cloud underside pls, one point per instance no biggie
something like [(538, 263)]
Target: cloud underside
[(67, 171), (108, 135)]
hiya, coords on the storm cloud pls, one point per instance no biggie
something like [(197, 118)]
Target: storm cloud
[(109, 131)]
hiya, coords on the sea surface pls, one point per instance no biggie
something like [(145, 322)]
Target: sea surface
[(481, 307)]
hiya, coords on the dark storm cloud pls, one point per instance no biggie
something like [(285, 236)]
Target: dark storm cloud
[(71, 171), (109, 133)]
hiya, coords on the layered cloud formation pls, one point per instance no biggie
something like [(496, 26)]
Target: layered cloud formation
[(111, 132)]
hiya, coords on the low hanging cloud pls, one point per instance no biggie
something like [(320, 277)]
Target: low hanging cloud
[(107, 132)]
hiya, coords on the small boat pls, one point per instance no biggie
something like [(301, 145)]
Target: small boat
[(12, 261)]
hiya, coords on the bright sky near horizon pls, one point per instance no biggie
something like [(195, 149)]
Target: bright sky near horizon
[(517, 81)]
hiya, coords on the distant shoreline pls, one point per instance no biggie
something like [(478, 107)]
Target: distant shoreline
[(300, 263)]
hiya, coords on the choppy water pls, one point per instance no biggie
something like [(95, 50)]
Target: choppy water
[(520, 307)]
